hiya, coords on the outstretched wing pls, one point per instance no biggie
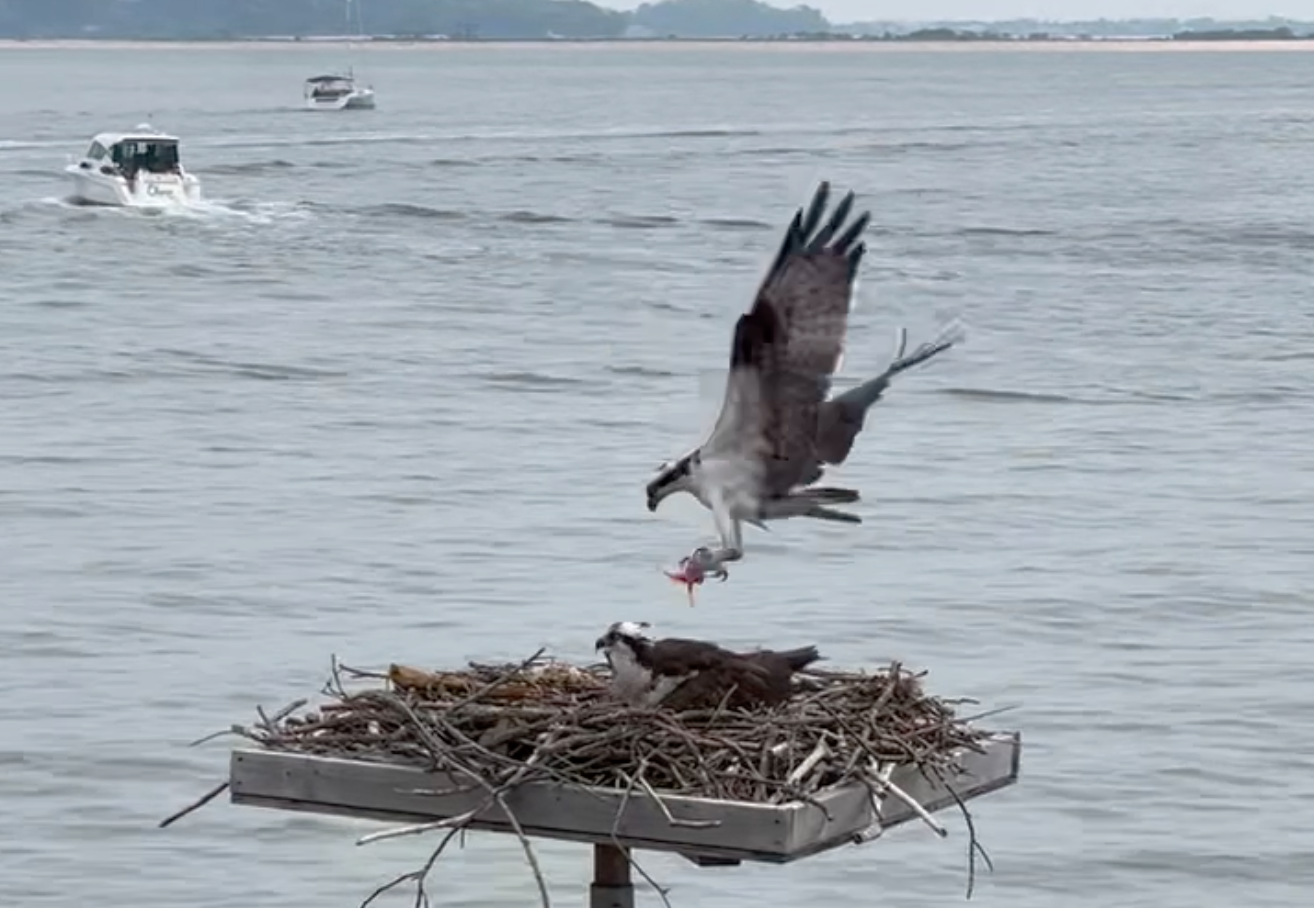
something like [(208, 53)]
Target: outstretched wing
[(786, 350)]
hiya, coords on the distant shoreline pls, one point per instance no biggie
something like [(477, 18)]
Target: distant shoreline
[(1150, 45)]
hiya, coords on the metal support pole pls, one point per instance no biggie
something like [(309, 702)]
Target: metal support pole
[(612, 887)]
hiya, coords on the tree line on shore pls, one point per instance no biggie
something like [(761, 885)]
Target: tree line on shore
[(539, 19)]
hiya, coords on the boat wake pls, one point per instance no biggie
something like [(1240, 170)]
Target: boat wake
[(259, 213), (242, 210)]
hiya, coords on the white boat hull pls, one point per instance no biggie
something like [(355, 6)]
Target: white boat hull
[(357, 99), (148, 190)]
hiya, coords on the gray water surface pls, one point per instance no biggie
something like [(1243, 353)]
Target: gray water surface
[(394, 390)]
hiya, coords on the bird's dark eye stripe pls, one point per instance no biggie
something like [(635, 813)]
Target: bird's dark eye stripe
[(676, 470)]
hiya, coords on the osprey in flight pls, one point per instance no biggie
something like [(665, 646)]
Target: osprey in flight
[(777, 429), (694, 674)]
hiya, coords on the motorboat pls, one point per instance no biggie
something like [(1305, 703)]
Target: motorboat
[(337, 92), (138, 169)]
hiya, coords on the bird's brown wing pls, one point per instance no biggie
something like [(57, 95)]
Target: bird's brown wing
[(787, 348), (676, 656), (735, 683)]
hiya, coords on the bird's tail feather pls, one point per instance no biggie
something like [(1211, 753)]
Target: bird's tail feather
[(800, 658), (820, 513), (827, 495), (811, 503)]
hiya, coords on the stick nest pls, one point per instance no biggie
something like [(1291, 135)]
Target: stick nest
[(495, 727), (546, 720)]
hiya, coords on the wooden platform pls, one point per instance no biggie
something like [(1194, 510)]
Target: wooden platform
[(734, 831)]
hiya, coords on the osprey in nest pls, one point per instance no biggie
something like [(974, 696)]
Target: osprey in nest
[(680, 674), (778, 427)]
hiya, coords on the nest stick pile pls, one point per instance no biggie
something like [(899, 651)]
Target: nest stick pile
[(545, 720), (495, 727)]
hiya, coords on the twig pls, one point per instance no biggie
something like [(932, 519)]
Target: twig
[(416, 876), (418, 828), (917, 808), (362, 673), (439, 792), (528, 849), (195, 805), (666, 811), (819, 753), (270, 723), (496, 682), (232, 730), (496, 795), (333, 686), (974, 846), (662, 891), (883, 782)]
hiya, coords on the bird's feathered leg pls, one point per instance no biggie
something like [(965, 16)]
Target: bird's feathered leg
[(707, 562)]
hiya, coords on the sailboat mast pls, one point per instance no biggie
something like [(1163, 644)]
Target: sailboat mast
[(351, 44)]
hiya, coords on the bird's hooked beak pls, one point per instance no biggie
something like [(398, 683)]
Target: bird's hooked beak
[(663, 484), (657, 493), (599, 644)]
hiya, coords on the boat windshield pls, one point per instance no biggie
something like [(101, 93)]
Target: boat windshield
[(334, 89), (133, 155)]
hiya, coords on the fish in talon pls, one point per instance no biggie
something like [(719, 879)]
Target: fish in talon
[(695, 569), (707, 564), (691, 574), (688, 579)]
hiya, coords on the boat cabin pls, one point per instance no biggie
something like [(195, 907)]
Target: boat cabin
[(130, 154), (329, 88)]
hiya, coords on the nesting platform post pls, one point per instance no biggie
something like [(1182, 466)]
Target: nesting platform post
[(612, 886)]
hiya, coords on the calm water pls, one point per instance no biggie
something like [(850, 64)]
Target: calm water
[(394, 391)]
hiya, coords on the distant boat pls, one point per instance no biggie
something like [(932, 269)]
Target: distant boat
[(336, 91), (138, 169)]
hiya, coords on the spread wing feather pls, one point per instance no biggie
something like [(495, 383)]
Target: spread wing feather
[(785, 352)]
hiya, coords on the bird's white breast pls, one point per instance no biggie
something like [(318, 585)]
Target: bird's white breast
[(629, 680), (699, 482), (635, 684), (734, 480), (664, 686)]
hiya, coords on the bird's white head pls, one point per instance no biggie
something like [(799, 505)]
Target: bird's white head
[(628, 634), (622, 644), (672, 477)]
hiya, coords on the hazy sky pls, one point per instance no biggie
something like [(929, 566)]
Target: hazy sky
[(857, 10)]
